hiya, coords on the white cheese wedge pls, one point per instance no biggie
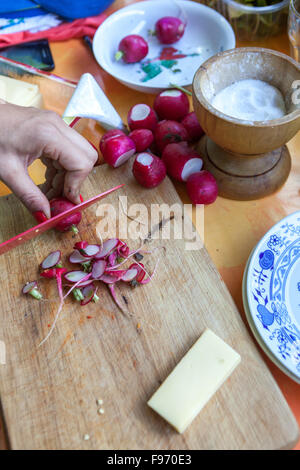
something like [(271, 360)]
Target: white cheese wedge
[(194, 380), (19, 92)]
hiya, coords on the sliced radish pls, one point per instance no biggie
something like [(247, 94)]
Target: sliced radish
[(172, 104), (192, 166), (29, 286), (88, 293), (130, 275), (123, 249), (112, 277), (141, 273), (82, 284), (112, 258), (142, 116), (149, 170), (107, 247), (76, 257), (181, 161), (90, 251), (52, 260), (118, 150), (98, 269), (75, 276)]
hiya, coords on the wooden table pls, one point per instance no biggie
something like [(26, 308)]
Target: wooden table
[(232, 228)]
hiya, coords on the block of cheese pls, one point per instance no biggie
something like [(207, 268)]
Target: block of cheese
[(20, 92), (194, 380)]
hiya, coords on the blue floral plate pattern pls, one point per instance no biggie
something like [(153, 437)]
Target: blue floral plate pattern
[(271, 294)]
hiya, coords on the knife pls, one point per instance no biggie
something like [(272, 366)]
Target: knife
[(50, 223)]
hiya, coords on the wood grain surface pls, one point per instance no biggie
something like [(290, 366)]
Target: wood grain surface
[(49, 394)]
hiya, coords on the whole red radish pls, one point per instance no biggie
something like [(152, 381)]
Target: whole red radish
[(132, 48), (149, 170), (181, 161), (168, 132), (118, 150), (191, 123), (171, 104), (142, 138), (169, 29), (202, 188), (109, 135), (59, 205), (141, 116)]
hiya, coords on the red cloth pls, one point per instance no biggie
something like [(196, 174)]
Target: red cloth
[(74, 29)]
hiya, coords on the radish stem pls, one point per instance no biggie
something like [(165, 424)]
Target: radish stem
[(74, 229), (112, 290), (173, 85), (36, 294), (119, 55)]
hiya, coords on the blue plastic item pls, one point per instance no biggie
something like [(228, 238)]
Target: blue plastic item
[(69, 9)]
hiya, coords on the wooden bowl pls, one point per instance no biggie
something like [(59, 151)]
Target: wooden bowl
[(248, 159), (231, 66)]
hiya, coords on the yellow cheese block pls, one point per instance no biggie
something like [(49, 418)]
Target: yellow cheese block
[(19, 92), (194, 380)]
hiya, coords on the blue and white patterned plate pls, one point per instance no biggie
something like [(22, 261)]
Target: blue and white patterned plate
[(271, 294)]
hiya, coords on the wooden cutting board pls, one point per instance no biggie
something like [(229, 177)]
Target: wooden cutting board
[(49, 394)]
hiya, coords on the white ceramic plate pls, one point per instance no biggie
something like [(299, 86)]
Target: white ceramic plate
[(207, 33), (271, 294)]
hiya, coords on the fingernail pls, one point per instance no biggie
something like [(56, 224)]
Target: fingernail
[(81, 198), (39, 216)]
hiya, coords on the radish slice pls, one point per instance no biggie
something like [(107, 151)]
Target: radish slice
[(112, 277), (88, 293), (52, 260), (112, 291), (107, 247), (99, 267), (90, 250), (75, 276), (140, 269), (112, 258), (76, 257), (29, 286), (129, 275), (81, 284)]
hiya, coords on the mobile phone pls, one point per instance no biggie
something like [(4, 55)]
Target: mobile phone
[(34, 53)]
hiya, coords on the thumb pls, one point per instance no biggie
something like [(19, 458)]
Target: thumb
[(29, 194)]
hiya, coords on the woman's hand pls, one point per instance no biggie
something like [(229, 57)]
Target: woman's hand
[(29, 133)]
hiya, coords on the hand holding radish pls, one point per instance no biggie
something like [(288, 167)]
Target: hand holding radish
[(29, 133)]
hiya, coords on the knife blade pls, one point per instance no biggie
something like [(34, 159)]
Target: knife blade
[(50, 223)]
